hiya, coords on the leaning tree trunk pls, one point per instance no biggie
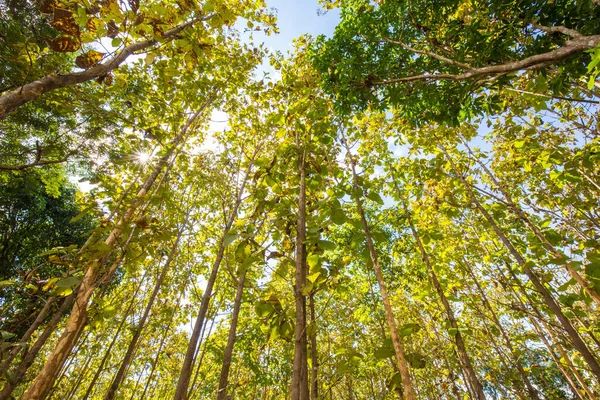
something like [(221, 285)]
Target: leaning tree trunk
[(45, 379), (20, 345), (508, 342), (458, 339), (112, 391), (299, 385), (181, 392), (108, 352), (228, 354), (544, 292), (28, 358), (389, 314), (593, 293)]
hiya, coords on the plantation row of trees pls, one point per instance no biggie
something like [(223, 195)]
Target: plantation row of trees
[(409, 211)]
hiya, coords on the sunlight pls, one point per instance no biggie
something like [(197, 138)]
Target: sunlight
[(143, 157)]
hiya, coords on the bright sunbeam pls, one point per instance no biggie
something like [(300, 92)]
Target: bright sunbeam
[(143, 157)]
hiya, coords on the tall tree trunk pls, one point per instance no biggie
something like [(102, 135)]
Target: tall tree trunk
[(112, 391), (314, 382), (544, 292), (593, 293), (108, 351), (299, 386), (508, 342), (458, 339), (28, 358), (43, 382), (389, 314), (183, 382), (228, 354)]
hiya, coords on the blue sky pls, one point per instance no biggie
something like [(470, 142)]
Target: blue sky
[(296, 17)]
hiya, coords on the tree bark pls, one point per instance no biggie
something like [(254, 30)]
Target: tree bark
[(228, 353), (299, 386), (460, 344), (181, 392), (314, 382), (593, 293), (29, 357), (20, 345), (45, 379), (508, 342), (108, 352), (389, 314), (30, 91), (112, 391), (544, 292)]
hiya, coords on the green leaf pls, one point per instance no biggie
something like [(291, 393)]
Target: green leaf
[(68, 282), (409, 329), (313, 261), (383, 352), (337, 216), (326, 245), (313, 277), (228, 239), (375, 197)]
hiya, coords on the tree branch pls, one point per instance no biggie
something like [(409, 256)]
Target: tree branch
[(569, 49), (31, 165), (32, 90), (430, 54), (558, 29)]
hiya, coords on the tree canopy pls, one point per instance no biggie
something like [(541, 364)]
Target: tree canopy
[(408, 209)]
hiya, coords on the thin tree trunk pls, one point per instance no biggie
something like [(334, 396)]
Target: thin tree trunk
[(530, 389), (183, 382), (299, 385), (45, 379), (544, 292), (19, 373), (537, 232), (314, 382), (228, 354), (112, 391), (567, 359), (460, 344), (20, 345), (108, 352), (389, 314)]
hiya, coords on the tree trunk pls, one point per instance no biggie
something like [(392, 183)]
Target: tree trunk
[(29, 357), (183, 382), (45, 379), (593, 293), (108, 352), (20, 345), (314, 382), (112, 391), (228, 354), (389, 314), (299, 386), (462, 351), (544, 292), (515, 358)]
